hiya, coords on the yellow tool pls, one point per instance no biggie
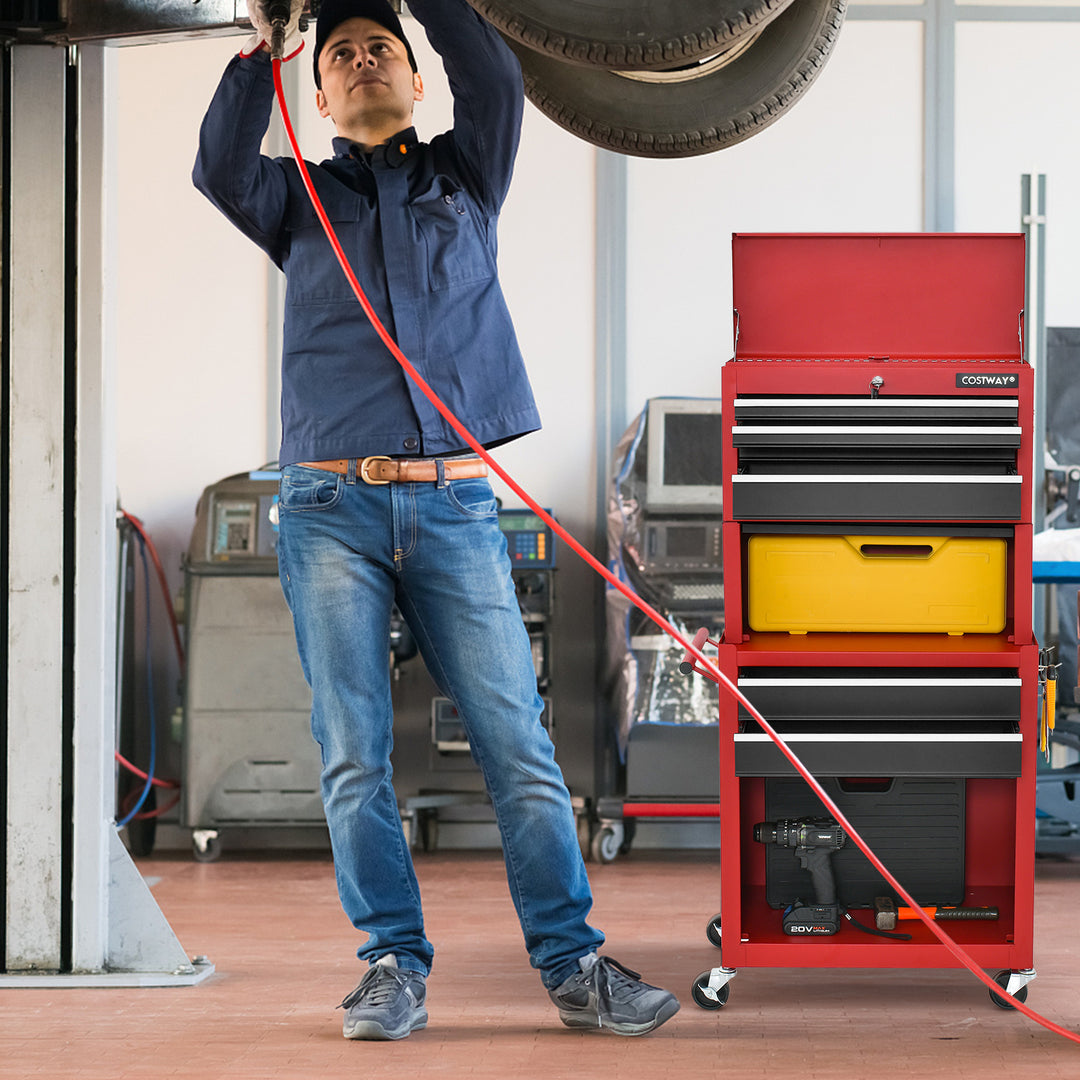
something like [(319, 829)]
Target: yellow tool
[(1047, 718)]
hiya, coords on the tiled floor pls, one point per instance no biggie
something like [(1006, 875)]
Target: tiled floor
[(284, 955)]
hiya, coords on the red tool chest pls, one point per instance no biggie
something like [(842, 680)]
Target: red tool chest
[(878, 407)]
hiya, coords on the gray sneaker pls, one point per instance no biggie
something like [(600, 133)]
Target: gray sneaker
[(604, 994), (387, 1004)]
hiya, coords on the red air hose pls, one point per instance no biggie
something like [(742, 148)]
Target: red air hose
[(713, 671), (174, 626), (156, 782)]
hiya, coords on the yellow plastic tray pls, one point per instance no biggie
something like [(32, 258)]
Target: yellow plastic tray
[(876, 584)]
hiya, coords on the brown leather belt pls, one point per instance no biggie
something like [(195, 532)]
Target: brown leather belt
[(384, 470)]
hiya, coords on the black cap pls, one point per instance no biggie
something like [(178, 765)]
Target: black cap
[(332, 13)]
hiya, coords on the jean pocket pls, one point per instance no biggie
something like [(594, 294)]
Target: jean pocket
[(473, 497), (309, 489)]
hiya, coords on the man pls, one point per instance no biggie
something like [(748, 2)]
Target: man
[(377, 504)]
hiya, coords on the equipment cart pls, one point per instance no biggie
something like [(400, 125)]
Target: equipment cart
[(877, 561)]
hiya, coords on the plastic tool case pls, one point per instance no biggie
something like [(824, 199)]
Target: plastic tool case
[(877, 559)]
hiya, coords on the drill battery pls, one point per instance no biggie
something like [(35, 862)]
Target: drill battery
[(811, 920)]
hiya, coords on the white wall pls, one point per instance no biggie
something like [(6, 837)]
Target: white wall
[(836, 161), (191, 298), (1016, 113)]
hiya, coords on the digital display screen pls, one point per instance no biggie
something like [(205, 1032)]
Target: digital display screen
[(234, 528), (521, 523), (693, 446), (685, 541)]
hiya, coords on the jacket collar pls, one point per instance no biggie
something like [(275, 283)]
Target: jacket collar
[(390, 154)]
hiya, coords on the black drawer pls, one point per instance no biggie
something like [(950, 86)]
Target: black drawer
[(818, 459), (981, 411), (895, 722), (858, 436), (858, 694), (952, 749), (875, 496)]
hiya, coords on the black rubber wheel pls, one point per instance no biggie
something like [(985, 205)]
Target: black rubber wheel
[(712, 931), (1002, 979), (584, 834), (429, 830), (704, 1000), (628, 34), (707, 106)]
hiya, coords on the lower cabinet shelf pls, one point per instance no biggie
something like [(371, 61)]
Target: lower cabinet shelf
[(760, 941)]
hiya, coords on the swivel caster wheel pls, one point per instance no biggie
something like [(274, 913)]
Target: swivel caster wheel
[(706, 998), (1002, 979), (712, 931), (608, 841)]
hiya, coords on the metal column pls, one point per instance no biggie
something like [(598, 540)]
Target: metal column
[(37, 845), (1033, 225)]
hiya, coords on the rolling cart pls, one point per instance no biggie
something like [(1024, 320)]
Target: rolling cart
[(877, 563), (664, 530)]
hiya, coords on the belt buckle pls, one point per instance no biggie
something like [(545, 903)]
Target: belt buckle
[(363, 470)]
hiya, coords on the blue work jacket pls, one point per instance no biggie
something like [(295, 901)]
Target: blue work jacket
[(418, 224)]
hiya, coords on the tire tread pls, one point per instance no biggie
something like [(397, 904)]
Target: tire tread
[(628, 56)]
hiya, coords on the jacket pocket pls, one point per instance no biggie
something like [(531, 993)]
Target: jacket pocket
[(314, 275), (455, 238)]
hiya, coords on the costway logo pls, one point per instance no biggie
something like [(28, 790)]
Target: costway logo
[(1003, 382)]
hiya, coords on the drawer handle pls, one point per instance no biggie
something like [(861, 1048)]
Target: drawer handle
[(853, 785), (896, 551)]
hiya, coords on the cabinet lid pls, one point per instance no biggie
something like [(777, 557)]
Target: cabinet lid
[(896, 295)]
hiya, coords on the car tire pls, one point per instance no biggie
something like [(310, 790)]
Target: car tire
[(696, 109)]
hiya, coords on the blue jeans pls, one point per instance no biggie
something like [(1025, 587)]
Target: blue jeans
[(347, 552)]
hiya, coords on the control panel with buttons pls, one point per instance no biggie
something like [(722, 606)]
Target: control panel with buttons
[(529, 541)]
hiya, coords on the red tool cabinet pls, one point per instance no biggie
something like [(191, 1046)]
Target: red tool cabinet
[(878, 406)]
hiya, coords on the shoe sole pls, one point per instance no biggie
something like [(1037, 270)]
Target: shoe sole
[(374, 1031), (664, 1013)]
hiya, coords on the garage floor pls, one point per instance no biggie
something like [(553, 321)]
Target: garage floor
[(284, 956)]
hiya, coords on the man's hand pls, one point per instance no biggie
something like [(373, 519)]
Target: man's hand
[(259, 13)]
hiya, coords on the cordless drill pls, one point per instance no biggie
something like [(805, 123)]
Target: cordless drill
[(814, 840)]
